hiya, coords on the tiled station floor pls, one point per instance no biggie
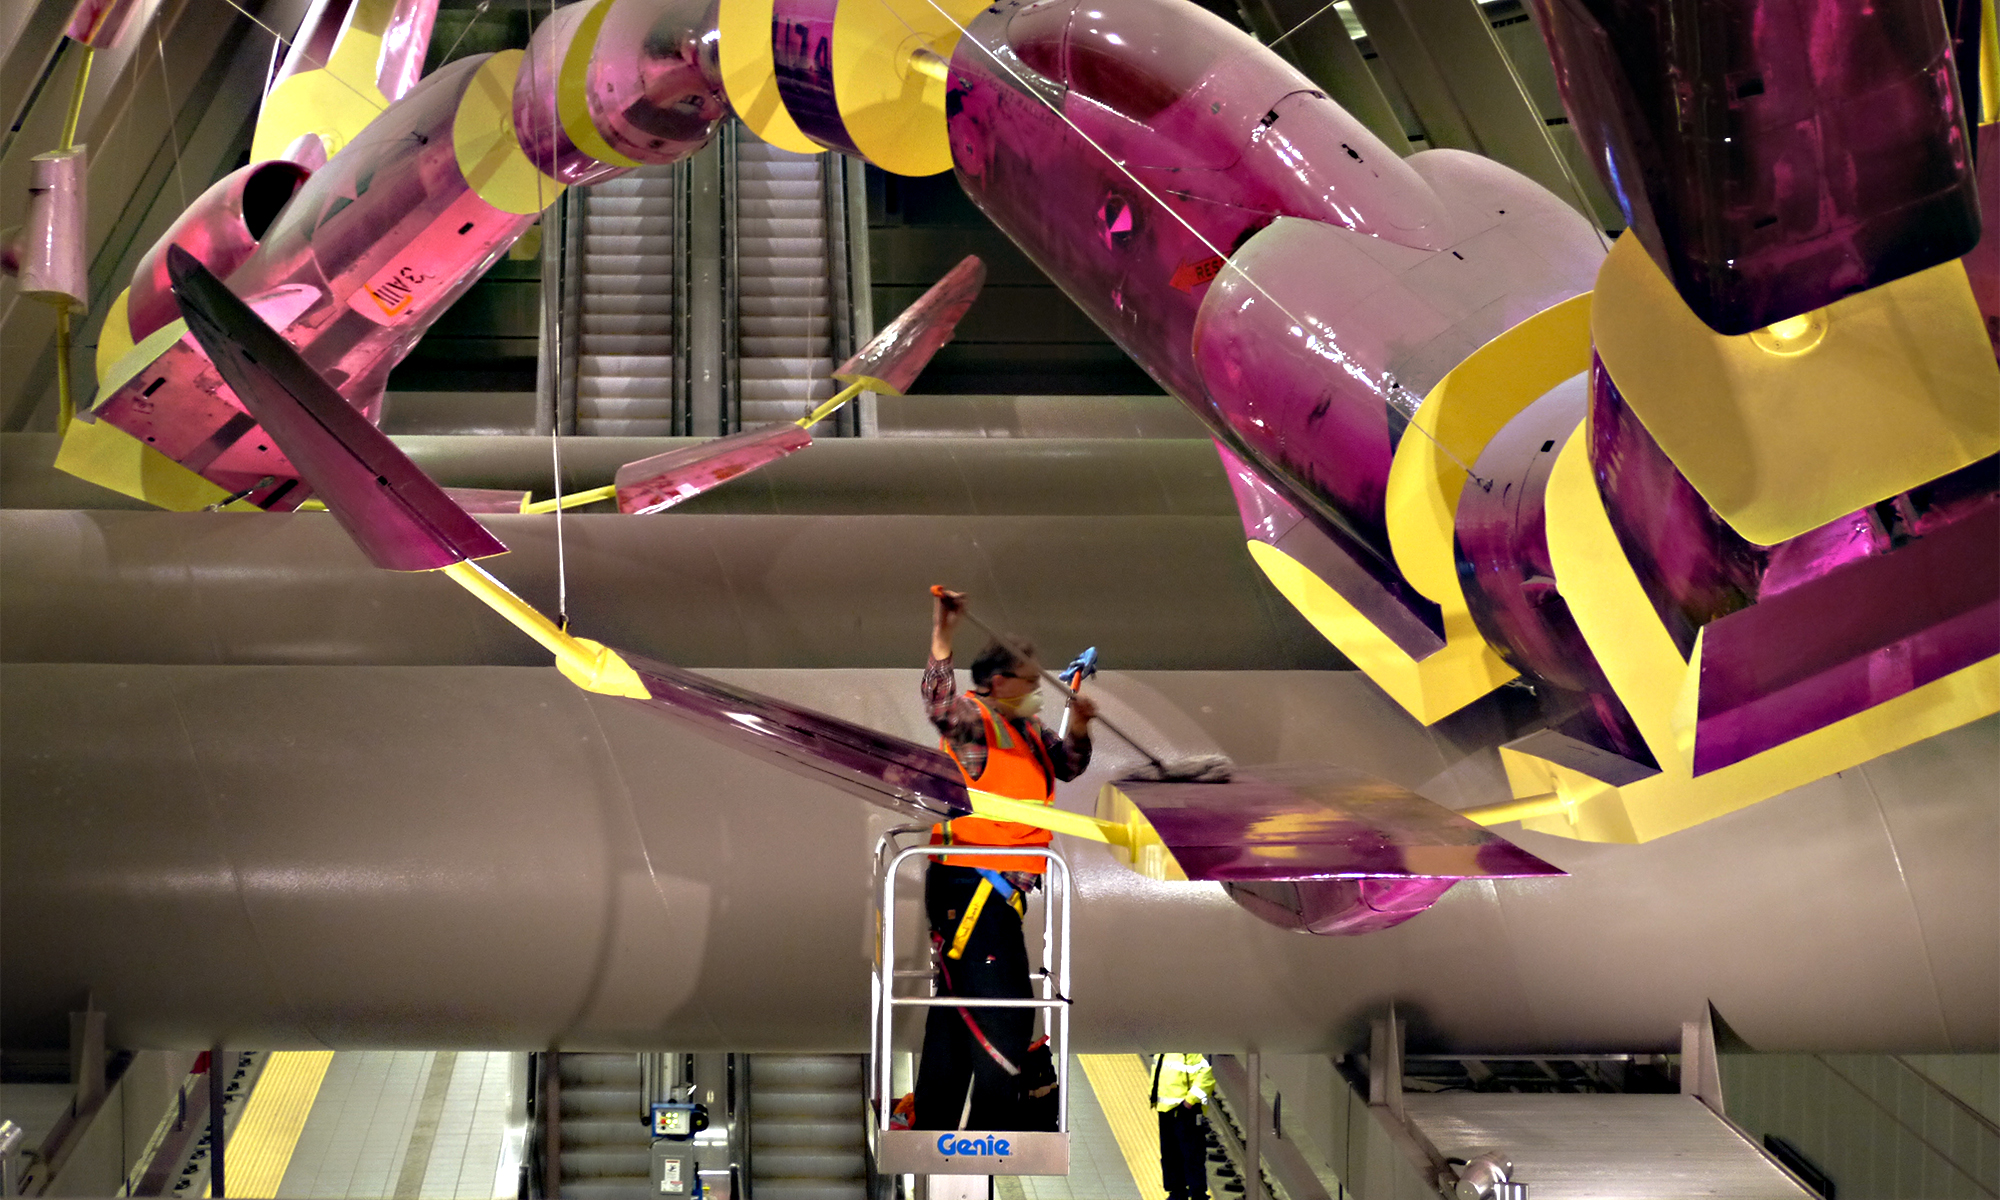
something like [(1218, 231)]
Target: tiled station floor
[(421, 1125)]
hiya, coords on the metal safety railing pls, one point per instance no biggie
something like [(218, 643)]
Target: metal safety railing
[(1037, 1153)]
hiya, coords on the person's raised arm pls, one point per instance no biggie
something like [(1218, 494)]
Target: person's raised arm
[(946, 605)]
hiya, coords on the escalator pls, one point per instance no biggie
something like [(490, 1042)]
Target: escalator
[(808, 1140), (605, 1149)]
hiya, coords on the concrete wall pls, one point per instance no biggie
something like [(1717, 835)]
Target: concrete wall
[(1883, 1127)]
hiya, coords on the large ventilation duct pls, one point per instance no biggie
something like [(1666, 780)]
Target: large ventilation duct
[(297, 856)]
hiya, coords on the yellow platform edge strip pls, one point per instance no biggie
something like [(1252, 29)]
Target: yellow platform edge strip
[(1120, 1083), (262, 1145)]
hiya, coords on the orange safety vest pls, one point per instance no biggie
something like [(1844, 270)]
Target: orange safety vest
[(1018, 768)]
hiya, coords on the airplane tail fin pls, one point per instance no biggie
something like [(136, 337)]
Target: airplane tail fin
[(893, 358)]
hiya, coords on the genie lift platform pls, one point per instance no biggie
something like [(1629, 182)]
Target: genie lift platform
[(911, 988)]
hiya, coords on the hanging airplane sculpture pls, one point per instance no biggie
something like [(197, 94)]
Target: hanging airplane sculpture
[(1725, 497)]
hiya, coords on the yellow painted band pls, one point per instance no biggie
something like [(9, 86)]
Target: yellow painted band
[(101, 453), (1514, 810), (483, 138), (589, 665), (1133, 839), (267, 1134), (1457, 419), (1646, 670), (114, 341), (572, 500), (336, 101), (135, 360), (894, 110), (750, 75), (573, 90), (1989, 64), (1898, 392), (1430, 688)]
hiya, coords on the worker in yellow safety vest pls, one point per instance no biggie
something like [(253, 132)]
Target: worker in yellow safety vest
[(1182, 1083), (970, 1074)]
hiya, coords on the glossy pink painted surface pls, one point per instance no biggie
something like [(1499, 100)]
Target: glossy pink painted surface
[(50, 245), (802, 51), (401, 520), (1693, 566), (1816, 628), (658, 483), (1772, 155), (653, 87), (1982, 265), (917, 781), (100, 23), (406, 38), (1510, 583), (221, 229), (381, 240), (899, 353), (1115, 247), (1867, 631), (1319, 821), (1273, 515), (1323, 849), (1317, 344), (404, 45)]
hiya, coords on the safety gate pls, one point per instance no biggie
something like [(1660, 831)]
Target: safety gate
[(966, 1151)]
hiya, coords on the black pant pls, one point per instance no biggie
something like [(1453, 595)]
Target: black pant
[(993, 965), (1183, 1154)]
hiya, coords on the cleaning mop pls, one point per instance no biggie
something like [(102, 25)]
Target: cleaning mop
[(1200, 768)]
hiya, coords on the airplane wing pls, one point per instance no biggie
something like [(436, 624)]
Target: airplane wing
[(405, 522)]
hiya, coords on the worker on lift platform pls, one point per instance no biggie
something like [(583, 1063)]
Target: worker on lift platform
[(975, 902)]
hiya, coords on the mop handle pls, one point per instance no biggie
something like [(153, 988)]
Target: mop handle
[(1048, 676)]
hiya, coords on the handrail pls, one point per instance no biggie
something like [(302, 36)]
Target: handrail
[(1054, 978)]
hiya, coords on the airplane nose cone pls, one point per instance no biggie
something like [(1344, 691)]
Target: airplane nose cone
[(1328, 167)]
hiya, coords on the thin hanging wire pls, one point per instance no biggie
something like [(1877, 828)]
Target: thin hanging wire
[(1548, 139), (1330, 4), (173, 116), (554, 317), (1297, 322), (478, 11), (288, 43)]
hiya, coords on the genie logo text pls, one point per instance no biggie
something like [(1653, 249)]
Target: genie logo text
[(951, 1143)]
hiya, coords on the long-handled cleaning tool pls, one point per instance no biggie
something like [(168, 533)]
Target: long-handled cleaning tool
[(1202, 768)]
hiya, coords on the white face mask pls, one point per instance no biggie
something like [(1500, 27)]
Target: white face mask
[(1023, 706)]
